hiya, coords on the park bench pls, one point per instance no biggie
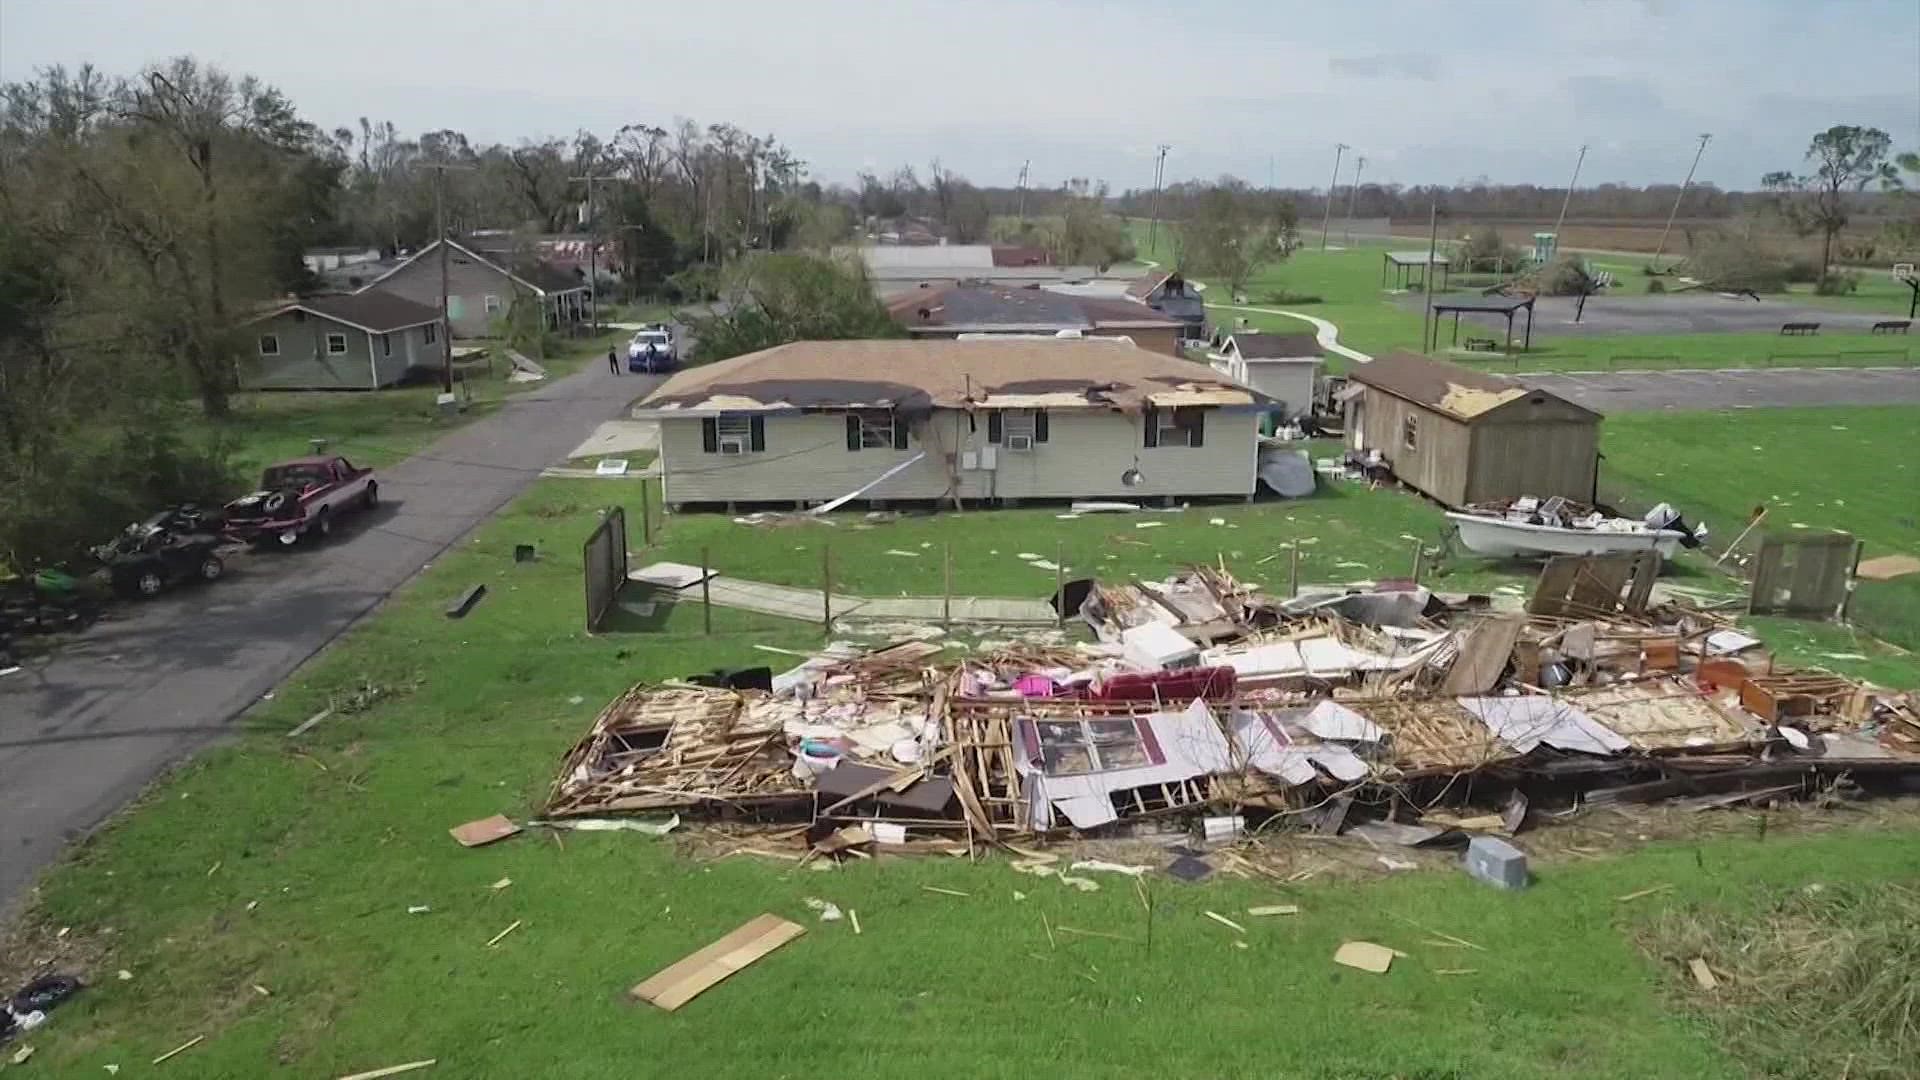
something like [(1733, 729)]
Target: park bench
[(1481, 344), (1792, 328), (1892, 326)]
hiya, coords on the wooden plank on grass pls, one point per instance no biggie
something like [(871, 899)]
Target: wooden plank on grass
[(680, 983)]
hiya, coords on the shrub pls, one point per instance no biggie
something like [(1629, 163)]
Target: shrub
[(1838, 283), (1655, 285), (1802, 269), (1484, 252), (1733, 262)]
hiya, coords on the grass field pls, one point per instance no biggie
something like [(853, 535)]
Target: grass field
[(289, 865)]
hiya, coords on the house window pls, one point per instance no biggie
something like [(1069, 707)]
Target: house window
[(493, 304), (432, 333), (1017, 427), (336, 344), (1410, 433), (733, 435), (1182, 426), (875, 429), (1072, 747), (386, 344), (269, 344)]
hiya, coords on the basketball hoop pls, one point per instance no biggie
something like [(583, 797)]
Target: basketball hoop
[(1903, 272)]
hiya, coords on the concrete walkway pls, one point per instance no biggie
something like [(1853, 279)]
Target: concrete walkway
[(1326, 333), (84, 728), (806, 604)]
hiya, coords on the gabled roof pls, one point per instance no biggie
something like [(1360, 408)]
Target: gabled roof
[(1276, 346), (916, 376), (1144, 285), (1456, 391), (376, 313), (532, 279)]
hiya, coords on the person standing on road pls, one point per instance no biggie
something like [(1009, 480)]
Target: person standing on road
[(613, 360), (649, 360)]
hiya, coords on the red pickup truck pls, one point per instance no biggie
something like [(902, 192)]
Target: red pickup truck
[(301, 496)]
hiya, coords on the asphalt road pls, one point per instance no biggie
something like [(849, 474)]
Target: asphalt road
[(85, 728), (1639, 391)]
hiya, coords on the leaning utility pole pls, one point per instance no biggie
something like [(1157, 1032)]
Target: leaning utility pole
[(1022, 185), (440, 238), (593, 252), (1705, 138), (1564, 203), (1326, 221), (1159, 170), (1359, 166)]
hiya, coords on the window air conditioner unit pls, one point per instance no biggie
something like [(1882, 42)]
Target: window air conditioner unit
[(733, 445), (1017, 444)]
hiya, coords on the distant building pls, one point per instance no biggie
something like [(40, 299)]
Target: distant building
[(1284, 367), (481, 290), (976, 307), (364, 341), (1169, 293), (321, 259), (1464, 437), (967, 421)]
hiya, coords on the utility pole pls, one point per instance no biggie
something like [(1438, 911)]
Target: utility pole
[(1359, 166), (1326, 221), (1022, 185), (1159, 170), (1705, 138), (440, 233), (593, 251), (1426, 278), (1564, 203)]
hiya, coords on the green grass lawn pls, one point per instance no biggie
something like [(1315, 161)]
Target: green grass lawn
[(290, 864), (1851, 468)]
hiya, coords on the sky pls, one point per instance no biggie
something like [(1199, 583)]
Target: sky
[(1427, 92)]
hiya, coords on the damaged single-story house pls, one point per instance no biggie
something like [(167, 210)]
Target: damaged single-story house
[(480, 290), (995, 418), (978, 307), (1462, 436), (1282, 366), (361, 341), (1169, 293)]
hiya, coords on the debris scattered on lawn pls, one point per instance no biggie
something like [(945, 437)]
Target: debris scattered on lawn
[(460, 605), (418, 909), (1364, 955), (681, 982), (261, 990), (1703, 974), (307, 725), (1456, 971), (501, 884), (829, 912), (394, 1070), (124, 975), (1104, 867), (1149, 524), (21, 1055), (182, 1048), (1224, 921), (484, 831), (854, 918), (651, 828), (1274, 909), (1189, 868), (1663, 887), (944, 892)]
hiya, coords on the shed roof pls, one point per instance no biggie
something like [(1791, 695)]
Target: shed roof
[(374, 312), (1456, 391), (1498, 304), (1276, 346), (980, 305), (1414, 258), (917, 376)]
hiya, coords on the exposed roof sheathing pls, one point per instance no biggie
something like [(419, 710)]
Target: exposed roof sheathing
[(917, 376), (1460, 392)]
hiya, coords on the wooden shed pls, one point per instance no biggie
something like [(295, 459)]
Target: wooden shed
[(1463, 436)]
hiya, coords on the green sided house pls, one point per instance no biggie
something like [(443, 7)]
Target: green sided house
[(480, 290), (361, 341)]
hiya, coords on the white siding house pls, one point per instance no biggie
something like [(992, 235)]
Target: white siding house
[(1284, 367), (1081, 419)]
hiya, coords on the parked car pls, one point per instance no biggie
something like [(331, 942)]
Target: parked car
[(666, 356), (177, 544), (304, 496)]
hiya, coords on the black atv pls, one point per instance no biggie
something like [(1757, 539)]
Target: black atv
[(177, 544)]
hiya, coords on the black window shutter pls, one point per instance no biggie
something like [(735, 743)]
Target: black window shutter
[(757, 433), (710, 435), (1197, 434), (1040, 425), (899, 432), (995, 427), (1152, 426), (853, 432)]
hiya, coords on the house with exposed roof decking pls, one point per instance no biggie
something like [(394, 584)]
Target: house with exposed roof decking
[(360, 341), (481, 290), (978, 307), (1463, 436), (963, 421)]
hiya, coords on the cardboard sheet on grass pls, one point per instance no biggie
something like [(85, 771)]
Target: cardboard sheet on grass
[(680, 983)]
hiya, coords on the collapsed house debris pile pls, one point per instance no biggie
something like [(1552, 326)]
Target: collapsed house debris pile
[(1202, 696)]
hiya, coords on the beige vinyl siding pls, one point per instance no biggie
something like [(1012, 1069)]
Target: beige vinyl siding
[(305, 364), (806, 460), (1533, 457)]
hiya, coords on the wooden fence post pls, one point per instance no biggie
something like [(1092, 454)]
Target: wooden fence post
[(946, 587), (1059, 584), (706, 594), (826, 591), (1418, 555), (646, 518), (1293, 571)]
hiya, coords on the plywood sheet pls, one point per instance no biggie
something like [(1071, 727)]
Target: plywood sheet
[(680, 983)]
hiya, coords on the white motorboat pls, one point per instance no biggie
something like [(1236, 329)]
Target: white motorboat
[(1531, 528)]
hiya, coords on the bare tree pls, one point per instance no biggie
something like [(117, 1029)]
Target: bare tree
[(1846, 159)]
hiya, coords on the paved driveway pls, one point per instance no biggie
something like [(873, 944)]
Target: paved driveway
[(1635, 391), (82, 731)]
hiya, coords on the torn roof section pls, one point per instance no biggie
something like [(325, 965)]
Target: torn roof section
[(1457, 391), (915, 377)]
